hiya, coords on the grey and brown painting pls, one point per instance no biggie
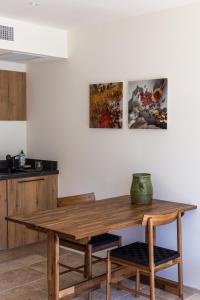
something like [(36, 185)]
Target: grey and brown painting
[(147, 105)]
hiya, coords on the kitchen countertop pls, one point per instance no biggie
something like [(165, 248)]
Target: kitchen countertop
[(27, 173), (49, 168)]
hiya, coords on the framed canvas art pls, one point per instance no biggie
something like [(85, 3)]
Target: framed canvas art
[(106, 105), (147, 104)]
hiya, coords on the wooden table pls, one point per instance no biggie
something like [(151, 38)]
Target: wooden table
[(81, 222)]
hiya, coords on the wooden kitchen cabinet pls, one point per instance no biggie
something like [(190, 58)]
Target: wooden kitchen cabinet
[(27, 195), (4, 95), (3, 214), (12, 95)]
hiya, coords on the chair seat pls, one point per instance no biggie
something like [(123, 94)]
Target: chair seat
[(104, 239), (138, 253)]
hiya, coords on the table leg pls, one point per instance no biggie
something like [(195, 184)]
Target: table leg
[(53, 266)]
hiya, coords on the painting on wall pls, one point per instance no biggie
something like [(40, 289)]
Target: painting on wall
[(147, 104), (106, 105)]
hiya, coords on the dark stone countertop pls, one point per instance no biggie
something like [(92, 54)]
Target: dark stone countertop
[(30, 173), (49, 168)]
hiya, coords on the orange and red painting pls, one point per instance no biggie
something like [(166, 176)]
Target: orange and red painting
[(106, 105)]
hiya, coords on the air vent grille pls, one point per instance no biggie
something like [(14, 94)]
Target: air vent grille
[(6, 33)]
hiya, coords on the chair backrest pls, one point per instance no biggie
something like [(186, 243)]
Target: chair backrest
[(151, 221), (77, 199), (160, 219)]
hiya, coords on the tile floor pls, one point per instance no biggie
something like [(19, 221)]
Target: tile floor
[(24, 278)]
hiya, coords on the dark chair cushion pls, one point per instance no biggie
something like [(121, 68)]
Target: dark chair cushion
[(138, 254), (104, 239)]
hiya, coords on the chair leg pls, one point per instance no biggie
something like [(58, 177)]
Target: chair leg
[(137, 283), (89, 261), (152, 286), (88, 266), (108, 281), (180, 280)]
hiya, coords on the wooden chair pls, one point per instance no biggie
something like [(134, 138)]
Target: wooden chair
[(148, 258), (97, 243)]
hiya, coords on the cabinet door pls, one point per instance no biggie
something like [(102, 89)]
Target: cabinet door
[(3, 214), (17, 96), (12, 95), (3, 95), (25, 196)]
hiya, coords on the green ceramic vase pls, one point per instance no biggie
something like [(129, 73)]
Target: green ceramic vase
[(141, 189)]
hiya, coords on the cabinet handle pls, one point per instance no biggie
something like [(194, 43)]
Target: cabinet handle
[(30, 180)]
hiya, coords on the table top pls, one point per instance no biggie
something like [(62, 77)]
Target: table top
[(86, 220)]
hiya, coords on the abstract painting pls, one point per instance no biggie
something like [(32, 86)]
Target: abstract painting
[(147, 105), (106, 105)]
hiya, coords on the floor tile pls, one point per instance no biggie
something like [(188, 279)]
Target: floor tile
[(160, 294), (20, 263), (26, 279), (188, 291), (10, 266), (169, 296), (72, 259), (66, 280), (115, 294), (23, 293), (130, 297), (99, 269), (31, 259), (41, 267), (194, 297), (17, 278), (131, 284), (40, 284)]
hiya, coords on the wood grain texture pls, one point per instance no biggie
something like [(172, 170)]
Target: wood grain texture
[(17, 96), (29, 195), (151, 221), (3, 214), (87, 220), (12, 95), (160, 219), (53, 266), (80, 245), (77, 199), (4, 110)]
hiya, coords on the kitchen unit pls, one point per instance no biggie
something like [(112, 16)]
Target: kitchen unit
[(3, 214), (24, 192)]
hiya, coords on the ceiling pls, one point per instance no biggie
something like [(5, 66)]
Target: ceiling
[(73, 13)]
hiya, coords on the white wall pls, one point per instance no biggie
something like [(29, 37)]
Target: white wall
[(12, 133), (34, 38), (102, 160)]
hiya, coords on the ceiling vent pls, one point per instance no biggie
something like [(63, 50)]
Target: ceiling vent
[(6, 33)]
